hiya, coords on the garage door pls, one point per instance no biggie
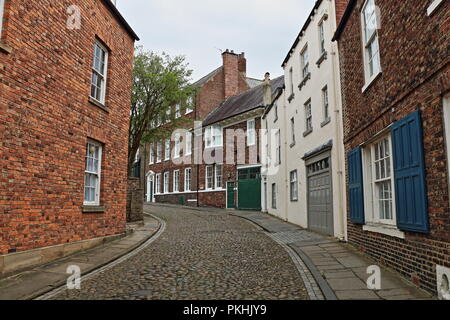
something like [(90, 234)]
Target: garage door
[(320, 199), (249, 189)]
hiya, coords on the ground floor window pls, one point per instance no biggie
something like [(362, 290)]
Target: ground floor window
[(218, 176), (158, 183), (187, 179), (379, 175), (293, 185), (176, 181), (166, 182), (274, 196), (92, 173), (209, 177)]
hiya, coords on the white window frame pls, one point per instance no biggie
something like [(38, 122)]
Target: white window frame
[(177, 146), (274, 196), (103, 76), (2, 10), (371, 204), (293, 185), (370, 75), (218, 176), (158, 183), (167, 149), (322, 37), (308, 116), (98, 174), (166, 182), (278, 147), (158, 152), (209, 180), (446, 107), (212, 135), (304, 58), (187, 179), (152, 154), (177, 111), (251, 132), (188, 143), (176, 181), (430, 10), (189, 103), (326, 103)]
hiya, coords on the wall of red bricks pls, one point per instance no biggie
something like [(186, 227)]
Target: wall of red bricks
[(413, 77), (46, 119)]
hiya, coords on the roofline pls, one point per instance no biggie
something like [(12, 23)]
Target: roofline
[(344, 20), (234, 115), (120, 18), (305, 26)]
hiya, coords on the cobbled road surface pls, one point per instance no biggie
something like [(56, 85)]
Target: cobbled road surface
[(201, 255)]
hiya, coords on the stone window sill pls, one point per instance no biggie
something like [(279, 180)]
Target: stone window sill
[(370, 82), (384, 229), (98, 104), (5, 48), (307, 132), (325, 122), (322, 58), (292, 144), (93, 209), (304, 81)]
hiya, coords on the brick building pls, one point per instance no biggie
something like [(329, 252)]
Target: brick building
[(395, 84), (171, 174), (65, 94)]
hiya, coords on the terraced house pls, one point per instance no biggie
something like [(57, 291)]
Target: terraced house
[(395, 86), (172, 174), (304, 178), (65, 93)]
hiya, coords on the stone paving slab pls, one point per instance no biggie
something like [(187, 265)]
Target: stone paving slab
[(338, 265), (34, 282)]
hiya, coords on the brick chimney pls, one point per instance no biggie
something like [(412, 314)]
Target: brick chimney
[(267, 90), (340, 5), (231, 73), (243, 64)]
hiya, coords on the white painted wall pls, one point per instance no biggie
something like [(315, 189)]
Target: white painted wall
[(326, 75)]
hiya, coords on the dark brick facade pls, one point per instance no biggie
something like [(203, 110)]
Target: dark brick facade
[(415, 75), (46, 120)]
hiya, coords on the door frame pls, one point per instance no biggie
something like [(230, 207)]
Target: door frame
[(234, 194), (150, 181)]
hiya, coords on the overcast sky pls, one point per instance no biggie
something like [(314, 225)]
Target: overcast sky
[(263, 29)]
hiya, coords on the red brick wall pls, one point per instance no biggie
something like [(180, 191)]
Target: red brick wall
[(340, 5), (414, 62), (46, 119)]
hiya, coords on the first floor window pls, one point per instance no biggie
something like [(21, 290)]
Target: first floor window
[(177, 150), (372, 52), (293, 185), (166, 182), (189, 105), (177, 111), (187, 179), (167, 154), (218, 176), (251, 132), (152, 154), (326, 109), (304, 57), (188, 143), (308, 116), (176, 181), (92, 173), (209, 177), (274, 196), (213, 136), (292, 131), (158, 183), (158, 152), (379, 173), (278, 146), (321, 38), (99, 68)]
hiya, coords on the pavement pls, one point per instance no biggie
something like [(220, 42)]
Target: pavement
[(338, 269), (34, 282)]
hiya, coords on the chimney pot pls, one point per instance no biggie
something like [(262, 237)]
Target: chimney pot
[(267, 90)]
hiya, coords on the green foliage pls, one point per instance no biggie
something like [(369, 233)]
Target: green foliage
[(159, 83)]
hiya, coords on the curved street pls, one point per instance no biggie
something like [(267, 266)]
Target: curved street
[(200, 255)]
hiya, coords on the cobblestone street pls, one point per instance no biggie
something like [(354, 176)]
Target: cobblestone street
[(200, 255)]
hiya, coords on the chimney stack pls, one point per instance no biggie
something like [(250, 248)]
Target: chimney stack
[(231, 73), (267, 90)]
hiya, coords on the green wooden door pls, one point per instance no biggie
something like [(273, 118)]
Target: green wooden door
[(249, 189), (230, 195)]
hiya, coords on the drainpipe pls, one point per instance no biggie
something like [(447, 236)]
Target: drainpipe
[(339, 137)]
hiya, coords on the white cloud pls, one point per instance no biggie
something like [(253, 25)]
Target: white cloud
[(263, 29)]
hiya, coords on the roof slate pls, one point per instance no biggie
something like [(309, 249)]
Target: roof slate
[(241, 103)]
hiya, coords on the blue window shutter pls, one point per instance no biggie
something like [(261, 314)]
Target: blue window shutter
[(356, 194), (409, 173)]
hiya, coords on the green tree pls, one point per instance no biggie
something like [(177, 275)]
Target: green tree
[(159, 83)]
